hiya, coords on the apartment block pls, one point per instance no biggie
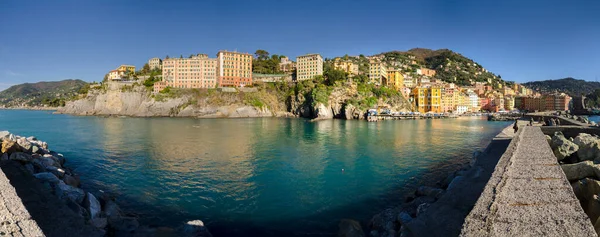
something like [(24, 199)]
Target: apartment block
[(427, 99), (346, 66), (199, 71), (395, 79), (308, 66), (155, 63), (234, 69), (377, 72), (557, 102)]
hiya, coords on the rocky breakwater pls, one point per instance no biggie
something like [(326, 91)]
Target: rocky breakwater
[(580, 160), (97, 215)]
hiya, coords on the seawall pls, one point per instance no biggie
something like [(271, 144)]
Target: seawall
[(15, 219), (528, 195)]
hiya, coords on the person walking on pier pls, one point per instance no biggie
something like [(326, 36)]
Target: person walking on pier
[(531, 121), (516, 126)]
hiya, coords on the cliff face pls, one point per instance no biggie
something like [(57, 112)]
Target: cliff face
[(136, 101), (306, 100)]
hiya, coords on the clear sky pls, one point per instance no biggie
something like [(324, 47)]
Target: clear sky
[(520, 40)]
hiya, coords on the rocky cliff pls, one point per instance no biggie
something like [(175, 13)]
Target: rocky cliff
[(133, 100), (306, 99)]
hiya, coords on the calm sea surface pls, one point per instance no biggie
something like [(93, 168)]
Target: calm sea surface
[(266, 177)]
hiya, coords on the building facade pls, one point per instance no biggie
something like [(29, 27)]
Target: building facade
[(286, 65), (346, 66), (395, 79), (427, 99), (234, 69), (199, 71), (377, 72), (155, 63), (308, 66), (426, 72), (557, 102), (121, 72)]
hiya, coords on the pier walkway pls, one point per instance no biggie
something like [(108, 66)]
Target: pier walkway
[(528, 195), (15, 220)]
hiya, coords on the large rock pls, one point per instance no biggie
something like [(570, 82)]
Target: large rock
[(92, 205), (71, 180), (422, 208), (4, 157), (562, 147), (581, 170), (195, 228), (111, 209), (26, 145), (47, 177), (56, 171), (66, 192), (323, 112), (385, 222), (99, 223), (20, 156), (430, 191), (404, 218), (350, 228), (589, 147), (78, 209), (5, 135), (9, 146)]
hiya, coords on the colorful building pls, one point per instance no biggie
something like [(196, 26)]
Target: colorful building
[(346, 66), (426, 72), (308, 66), (120, 72), (395, 79), (199, 71), (557, 102), (509, 103), (155, 63), (427, 99), (234, 69), (377, 72)]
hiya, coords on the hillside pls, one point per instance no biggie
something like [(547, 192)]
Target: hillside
[(450, 66), (570, 86), (53, 93)]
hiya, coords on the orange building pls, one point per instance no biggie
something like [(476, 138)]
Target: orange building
[(198, 71), (234, 69), (427, 72)]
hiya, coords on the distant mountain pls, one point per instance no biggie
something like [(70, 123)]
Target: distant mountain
[(450, 66), (53, 93), (570, 86)]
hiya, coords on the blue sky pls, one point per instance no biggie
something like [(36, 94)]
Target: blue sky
[(520, 40)]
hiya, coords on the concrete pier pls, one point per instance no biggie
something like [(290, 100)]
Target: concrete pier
[(528, 195), (15, 220)]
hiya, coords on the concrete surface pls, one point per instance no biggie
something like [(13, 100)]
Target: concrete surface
[(53, 216), (528, 195), (14, 217), (446, 216)]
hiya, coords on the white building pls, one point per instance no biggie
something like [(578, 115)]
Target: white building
[(308, 66)]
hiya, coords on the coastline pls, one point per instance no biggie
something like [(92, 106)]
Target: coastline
[(31, 108), (450, 200), (56, 202)]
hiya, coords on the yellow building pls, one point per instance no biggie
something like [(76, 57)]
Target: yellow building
[(377, 72), (346, 66), (509, 103), (395, 79), (126, 68), (427, 99)]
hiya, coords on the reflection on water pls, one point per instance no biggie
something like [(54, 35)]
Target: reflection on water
[(266, 176)]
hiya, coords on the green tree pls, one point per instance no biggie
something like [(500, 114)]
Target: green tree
[(261, 54), (146, 69)]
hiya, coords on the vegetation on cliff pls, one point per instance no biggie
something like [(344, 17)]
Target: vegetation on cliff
[(53, 93), (450, 66), (570, 86)]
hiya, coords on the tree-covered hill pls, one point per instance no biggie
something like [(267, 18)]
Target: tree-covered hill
[(570, 86), (53, 93), (450, 66)]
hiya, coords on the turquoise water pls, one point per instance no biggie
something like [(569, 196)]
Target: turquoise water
[(265, 177)]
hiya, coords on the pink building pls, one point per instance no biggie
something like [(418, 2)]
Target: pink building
[(199, 71)]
